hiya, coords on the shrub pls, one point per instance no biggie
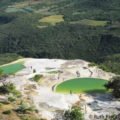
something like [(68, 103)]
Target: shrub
[(7, 112), (73, 114), (92, 64), (9, 88), (24, 108), (114, 86), (11, 98), (36, 78)]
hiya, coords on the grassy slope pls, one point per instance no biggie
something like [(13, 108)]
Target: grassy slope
[(90, 22), (53, 19)]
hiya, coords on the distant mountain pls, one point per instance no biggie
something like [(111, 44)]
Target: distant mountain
[(85, 29)]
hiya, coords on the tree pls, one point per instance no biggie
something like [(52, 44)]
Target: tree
[(114, 85), (73, 114)]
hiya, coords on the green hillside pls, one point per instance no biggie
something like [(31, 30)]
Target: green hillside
[(88, 29)]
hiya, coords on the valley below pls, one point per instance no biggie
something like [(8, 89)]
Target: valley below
[(59, 59)]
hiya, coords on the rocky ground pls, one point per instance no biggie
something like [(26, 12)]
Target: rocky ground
[(51, 104)]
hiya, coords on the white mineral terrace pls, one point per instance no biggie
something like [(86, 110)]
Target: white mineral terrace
[(48, 102)]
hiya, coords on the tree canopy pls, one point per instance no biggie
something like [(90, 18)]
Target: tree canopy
[(73, 114), (114, 86)]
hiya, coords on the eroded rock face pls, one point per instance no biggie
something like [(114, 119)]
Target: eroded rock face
[(47, 102)]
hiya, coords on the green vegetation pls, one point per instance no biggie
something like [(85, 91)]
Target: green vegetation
[(73, 114), (12, 68), (79, 85), (29, 117), (90, 22), (53, 72), (52, 20), (24, 108), (7, 58), (11, 98), (30, 29), (37, 78), (110, 63), (7, 112), (9, 108), (92, 64), (114, 86), (9, 88)]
